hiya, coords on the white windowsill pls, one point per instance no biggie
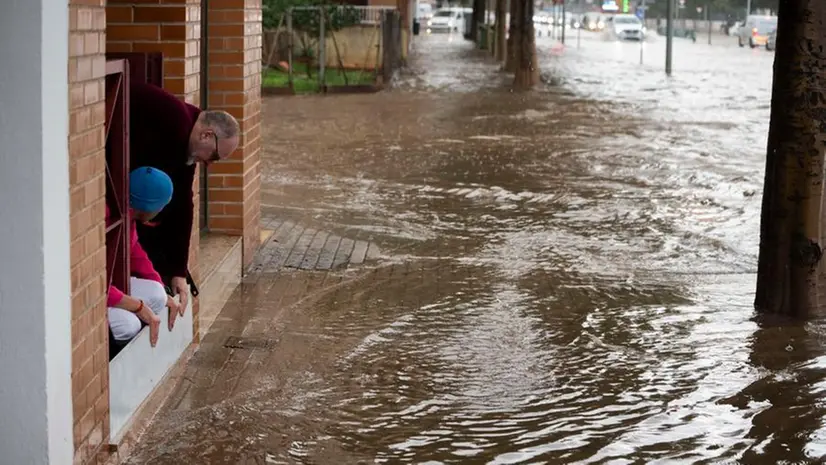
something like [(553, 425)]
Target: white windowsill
[(139, 368)]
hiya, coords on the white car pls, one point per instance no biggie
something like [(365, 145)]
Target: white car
[(624, 27), (449, 20), (424, 11), (756, 30)]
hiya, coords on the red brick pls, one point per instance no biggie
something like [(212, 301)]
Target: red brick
[(159, 14), (118, 14), (133, 32)]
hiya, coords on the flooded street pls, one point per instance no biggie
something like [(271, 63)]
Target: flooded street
[(563, 277)]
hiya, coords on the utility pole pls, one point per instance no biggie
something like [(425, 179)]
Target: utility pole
[(579, 22), (669, 35), (644, 8), (748, 8), (564, 21), (708, 22)]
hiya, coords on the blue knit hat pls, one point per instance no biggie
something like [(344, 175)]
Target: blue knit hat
[(150, 189)]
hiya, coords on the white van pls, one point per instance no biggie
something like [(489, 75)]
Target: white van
[(756, 30), (451, 19), (424, 11)]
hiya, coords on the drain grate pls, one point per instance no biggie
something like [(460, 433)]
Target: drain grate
[(236, 342)]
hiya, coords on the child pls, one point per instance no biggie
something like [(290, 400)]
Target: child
[(150, 190)]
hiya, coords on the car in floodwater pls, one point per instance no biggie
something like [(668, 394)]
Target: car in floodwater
[(624, 27), (449, 20), (424, 11), (755, 32)]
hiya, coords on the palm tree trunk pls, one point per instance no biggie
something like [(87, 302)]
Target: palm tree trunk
[(789, 271), (513, 30), (501, 39), (526, 74)]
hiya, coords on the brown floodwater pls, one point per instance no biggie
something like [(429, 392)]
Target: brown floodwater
[(566, 275)]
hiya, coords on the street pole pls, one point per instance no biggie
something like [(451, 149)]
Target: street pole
[(669, 35), (554, 32), (748, 8), (564, 22), (642, 51), (578, 33), (708, 22), (642, 42)]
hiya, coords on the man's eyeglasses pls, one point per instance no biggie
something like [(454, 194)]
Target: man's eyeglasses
[(215, 156)]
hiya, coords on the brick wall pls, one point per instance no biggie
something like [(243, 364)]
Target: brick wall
[(90, 357), (169, 26), (235, 40)]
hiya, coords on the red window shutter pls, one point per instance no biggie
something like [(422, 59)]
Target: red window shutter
[(117, 173)]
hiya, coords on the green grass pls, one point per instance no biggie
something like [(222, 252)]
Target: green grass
[(303, 85)]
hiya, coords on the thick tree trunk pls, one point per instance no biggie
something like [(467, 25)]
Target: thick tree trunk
[(476, 19), (789, 271), (513, 30), (501, 31), (526, 74)]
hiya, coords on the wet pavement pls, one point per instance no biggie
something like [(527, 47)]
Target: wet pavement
[(564, 276)]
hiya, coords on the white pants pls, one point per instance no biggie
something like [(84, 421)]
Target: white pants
[(124, 324)]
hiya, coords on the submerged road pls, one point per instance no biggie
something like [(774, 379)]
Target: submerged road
[(561, 277)]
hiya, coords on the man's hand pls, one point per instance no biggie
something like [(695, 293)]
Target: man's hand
[(181, 289), (173, 311), (146, 315)]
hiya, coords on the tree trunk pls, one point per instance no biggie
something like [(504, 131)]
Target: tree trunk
[(789, 272), (476, 19), (501, 39), (527, 71), (513, 30)]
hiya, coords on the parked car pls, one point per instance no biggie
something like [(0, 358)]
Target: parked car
[(771, 43), (624, 27), (756, 30), (449, 20)]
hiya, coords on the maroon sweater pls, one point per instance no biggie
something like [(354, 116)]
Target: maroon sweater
[(160, 125)]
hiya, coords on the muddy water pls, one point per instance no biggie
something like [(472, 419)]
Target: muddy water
[(567, 275)]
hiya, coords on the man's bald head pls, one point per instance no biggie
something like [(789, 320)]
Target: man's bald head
[(215, 136)]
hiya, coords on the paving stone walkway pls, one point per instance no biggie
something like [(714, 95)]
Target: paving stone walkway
[(293, 245)]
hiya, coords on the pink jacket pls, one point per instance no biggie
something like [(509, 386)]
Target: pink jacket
[(140, 265)]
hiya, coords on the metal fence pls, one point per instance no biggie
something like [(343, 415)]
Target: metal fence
[(371, 15), (341, 45)]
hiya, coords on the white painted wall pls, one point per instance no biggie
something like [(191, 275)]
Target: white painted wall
[(35, 292)]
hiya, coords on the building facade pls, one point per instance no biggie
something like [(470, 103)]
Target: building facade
[(58, 115)]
